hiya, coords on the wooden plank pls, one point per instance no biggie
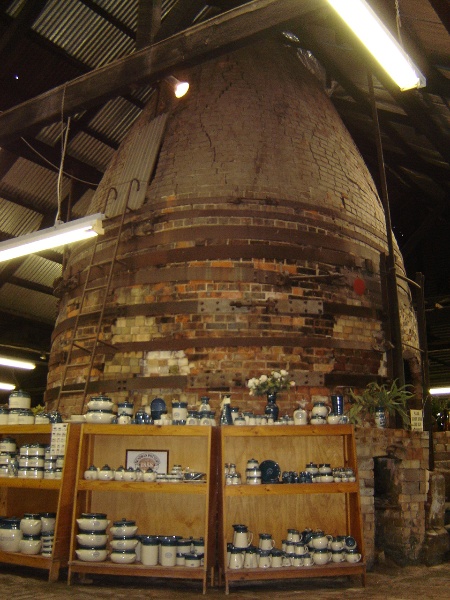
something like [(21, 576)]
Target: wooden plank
[(196, 44)]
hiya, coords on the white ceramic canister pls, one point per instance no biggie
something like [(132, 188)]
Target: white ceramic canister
[(149, 550), (8, 444), (26, 417), (13, 416), (48, 520), (19, 399), (168, 551), (31, 461), (36, 473), (4, 415), (30, 544), (179, 411), (192, 560), (31, 524), (10, 535)]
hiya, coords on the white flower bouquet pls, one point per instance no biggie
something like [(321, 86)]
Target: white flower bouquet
[(270, 384)]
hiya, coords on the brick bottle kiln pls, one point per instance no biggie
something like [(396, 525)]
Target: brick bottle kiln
[(256, 246)]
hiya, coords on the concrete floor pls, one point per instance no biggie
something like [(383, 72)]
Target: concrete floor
[(387, 582)]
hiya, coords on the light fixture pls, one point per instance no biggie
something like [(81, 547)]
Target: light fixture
[(441, 391), (58, 235), (180, 88), (6, 386), (16, 363), (375, 36)]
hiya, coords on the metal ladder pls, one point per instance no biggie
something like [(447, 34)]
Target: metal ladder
[(90, 342)]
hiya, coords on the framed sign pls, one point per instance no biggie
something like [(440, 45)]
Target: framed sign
[(158, 460)]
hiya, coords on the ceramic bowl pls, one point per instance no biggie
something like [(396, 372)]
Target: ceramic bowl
[(92, 554), (100, 403), (93, 522), (124, 530), (92, 540), (99, 416), (30, 545), (30, 526), (124, 543), (127, 557)]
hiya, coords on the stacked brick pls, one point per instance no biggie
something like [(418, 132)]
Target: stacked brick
[(258, 220)]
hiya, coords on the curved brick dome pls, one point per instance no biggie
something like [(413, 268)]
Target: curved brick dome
[(257, 247)]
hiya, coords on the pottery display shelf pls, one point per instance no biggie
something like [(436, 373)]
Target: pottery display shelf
[(276, 507), (19, 496), (159, 508)]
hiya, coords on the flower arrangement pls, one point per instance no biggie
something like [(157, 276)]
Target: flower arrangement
[(270, 384)]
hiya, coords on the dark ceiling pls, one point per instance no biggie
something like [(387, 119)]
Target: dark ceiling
[(98, 61)]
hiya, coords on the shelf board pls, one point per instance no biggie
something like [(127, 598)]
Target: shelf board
[(278, 489), (147, 430), (25, 429), (199, 488), (137, 569), (329, 570), (286, 430), (29, 560), (34, 484)]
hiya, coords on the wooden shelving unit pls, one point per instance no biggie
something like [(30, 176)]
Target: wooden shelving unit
[(185, 509), (18, 496), (274, 508)]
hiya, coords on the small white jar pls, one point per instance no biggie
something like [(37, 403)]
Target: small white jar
[(31, 524), (30, 544), (8, 444)]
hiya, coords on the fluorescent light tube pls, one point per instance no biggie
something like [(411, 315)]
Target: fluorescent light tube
[(16, 364), (6, 386), (58, 235), (375, 36), (442, 391)]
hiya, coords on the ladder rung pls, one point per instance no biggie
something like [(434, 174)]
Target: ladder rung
[(70, 391), (95, 287), (78, 365)]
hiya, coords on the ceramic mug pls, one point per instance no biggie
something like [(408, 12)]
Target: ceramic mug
[(277, 559), (307, 560), (338, 556), (242, 536), (265, 541), (264, 559), (250, 559), (352, 556), (236, 559), (297, 561), (322, 556)]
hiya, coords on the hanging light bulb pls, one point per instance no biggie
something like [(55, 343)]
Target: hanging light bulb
[(180, 88)]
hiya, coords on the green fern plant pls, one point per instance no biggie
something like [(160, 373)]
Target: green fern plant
[(393, 399)]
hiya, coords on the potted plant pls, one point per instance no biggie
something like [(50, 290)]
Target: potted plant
[(378, 401)]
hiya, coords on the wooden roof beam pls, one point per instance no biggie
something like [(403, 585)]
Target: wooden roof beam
[(215, 36)]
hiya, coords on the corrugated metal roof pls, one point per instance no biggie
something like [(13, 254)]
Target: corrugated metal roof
[(35, 183), (65, 24), (17, 220), (31, 304), (89, 150), (115, 119), (39, 270)]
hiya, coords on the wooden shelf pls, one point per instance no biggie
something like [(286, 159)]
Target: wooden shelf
[(331, 570), (191, 505), (48, 495), (143, 487), (290, 489), (136, 569), (32, 484), (275, 508)]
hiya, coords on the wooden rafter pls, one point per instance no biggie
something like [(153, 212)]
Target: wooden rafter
[(215, 36)]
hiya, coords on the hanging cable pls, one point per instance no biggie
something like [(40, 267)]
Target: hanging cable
[(398, 21)]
